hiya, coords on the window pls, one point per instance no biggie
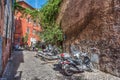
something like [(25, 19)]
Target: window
[(34, 23), (29, 20), (34, 31), (28, 30)]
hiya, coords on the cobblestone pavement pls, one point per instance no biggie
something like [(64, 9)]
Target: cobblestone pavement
[(25, 66)]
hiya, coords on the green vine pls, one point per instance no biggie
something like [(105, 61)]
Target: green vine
[(52, 31), (50, 11), (35, 14)]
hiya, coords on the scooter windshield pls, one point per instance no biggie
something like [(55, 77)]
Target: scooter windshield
[(74, 51)]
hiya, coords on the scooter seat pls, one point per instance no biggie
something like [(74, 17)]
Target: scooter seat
[(77, 62)]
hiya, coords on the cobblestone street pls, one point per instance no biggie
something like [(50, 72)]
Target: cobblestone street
[(25, 66)]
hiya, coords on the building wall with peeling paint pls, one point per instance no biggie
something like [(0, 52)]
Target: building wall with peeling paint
[(6, 25)]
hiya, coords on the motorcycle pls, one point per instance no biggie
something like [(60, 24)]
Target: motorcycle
[(71, 65)]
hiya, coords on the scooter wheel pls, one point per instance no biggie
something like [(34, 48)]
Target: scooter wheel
[(36, 55), (43, 59), (90, 67), (67, 71)]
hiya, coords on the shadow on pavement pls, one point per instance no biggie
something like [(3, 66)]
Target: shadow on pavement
[(78, 76), (11, 72), (18, 58)]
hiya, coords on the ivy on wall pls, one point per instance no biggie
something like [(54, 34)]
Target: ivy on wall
[(52, 31)]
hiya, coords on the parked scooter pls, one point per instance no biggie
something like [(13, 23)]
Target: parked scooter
[(71, 65), (63, 57), (49, 53)]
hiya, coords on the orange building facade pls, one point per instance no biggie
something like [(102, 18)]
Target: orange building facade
[(25, 26)]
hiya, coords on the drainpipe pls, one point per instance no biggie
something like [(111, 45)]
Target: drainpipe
[(13, 26)]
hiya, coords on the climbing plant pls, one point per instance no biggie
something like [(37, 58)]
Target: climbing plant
[(50, 11), (52, 34), (52, 31), (35, 14)]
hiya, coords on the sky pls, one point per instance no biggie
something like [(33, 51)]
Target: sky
[(36, 3)]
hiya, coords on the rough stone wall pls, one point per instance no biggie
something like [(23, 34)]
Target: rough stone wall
[(94, 27)]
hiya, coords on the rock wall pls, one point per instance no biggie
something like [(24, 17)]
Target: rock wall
[(93, 26)]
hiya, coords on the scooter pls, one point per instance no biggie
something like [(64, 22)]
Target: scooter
[(71, 65), (49, 54), (63, 57)]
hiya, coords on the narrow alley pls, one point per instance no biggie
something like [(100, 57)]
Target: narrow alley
[(25, 66), (86, 30)]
